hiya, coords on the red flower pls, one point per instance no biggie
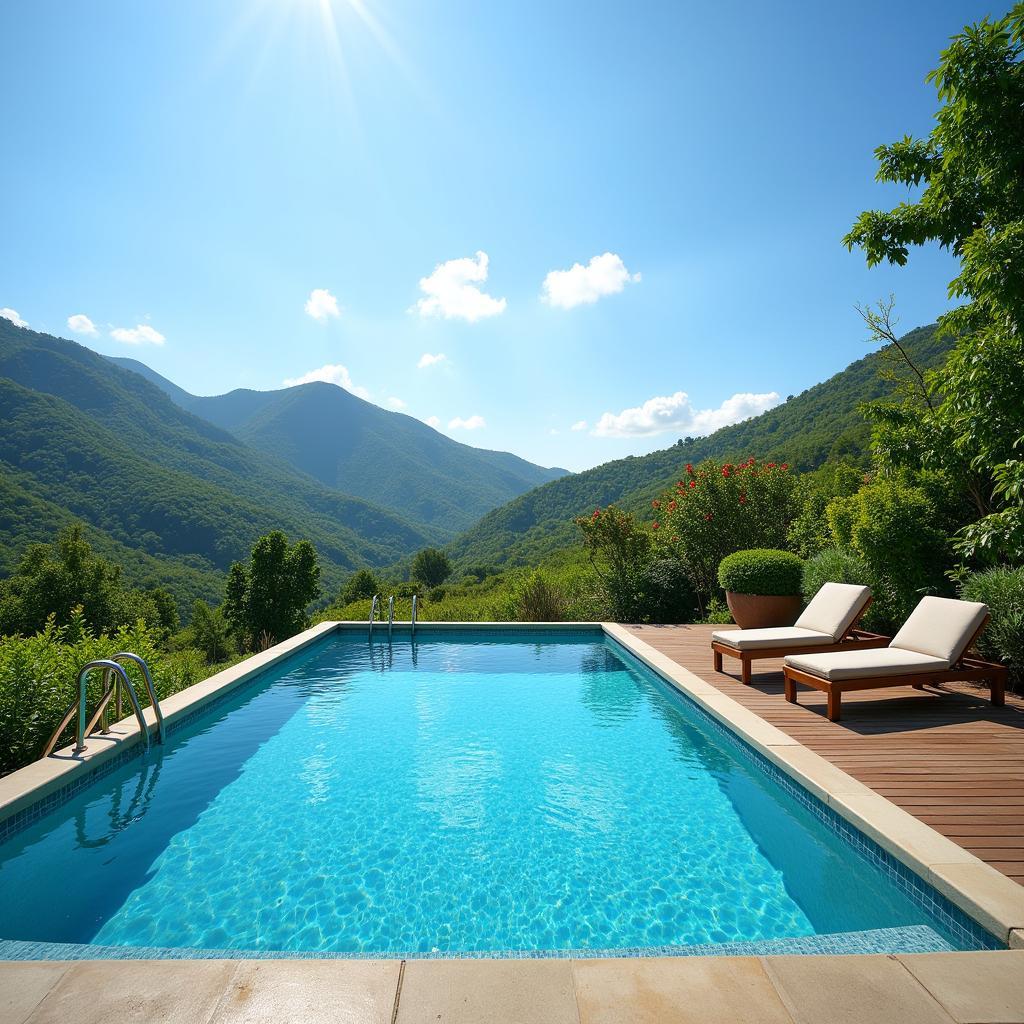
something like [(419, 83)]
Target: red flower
[(689, 468), (654, 526), (770, 465), (597, 512), (671, 506), (707, 517), (784, 466), (655, 504), (725, 471), (743, 499), (675, 537), (693, 483)]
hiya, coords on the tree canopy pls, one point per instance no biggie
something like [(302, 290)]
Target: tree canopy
[(967, 418)]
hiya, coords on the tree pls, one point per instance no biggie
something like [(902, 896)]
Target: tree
[(267, 599), (55, 579), (431, 567), (209, 632), (967, 419), (358, 587)]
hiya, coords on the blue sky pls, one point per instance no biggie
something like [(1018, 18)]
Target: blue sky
[(247, 192)]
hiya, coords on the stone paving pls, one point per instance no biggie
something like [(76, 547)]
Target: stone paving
[(930, 988)]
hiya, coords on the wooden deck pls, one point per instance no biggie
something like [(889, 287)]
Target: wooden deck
[(949, 758)]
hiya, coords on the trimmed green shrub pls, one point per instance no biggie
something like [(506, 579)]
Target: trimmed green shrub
[(764, 571), (837, 566), (1002, 590), (893, 528)]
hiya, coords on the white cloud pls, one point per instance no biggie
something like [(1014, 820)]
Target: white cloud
[(470, 423), (81, 324), (140, 334), (433, 421), (12, 314), (674, 412), (603, 275), (429, 359), (321, 304), (332, 373), (395, 403), (579, 425), (451, 292)]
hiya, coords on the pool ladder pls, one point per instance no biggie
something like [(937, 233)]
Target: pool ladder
[(391, 613), (115, 682)]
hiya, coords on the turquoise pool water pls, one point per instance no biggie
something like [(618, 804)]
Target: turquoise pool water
[(466, 793)]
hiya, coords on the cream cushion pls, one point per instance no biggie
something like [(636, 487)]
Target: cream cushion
[(941, 627), (834, 609), (870, 664), (752, 639)]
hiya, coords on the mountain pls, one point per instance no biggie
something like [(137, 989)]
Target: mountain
[(356, 447), (822, 423), (82, 437)]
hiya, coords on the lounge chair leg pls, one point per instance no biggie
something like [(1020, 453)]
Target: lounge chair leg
[(718, 660), (835, 699), (745, 670), (790, 690), (998, 689)]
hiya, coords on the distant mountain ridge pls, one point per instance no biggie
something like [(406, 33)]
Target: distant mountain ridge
[(81, 437), (353, 446), (821, 423)]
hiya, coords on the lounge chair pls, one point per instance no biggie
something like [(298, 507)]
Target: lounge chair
[(826, 624), (931, 648)]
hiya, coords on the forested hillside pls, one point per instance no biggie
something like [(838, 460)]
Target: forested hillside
[(360, 449), (83, 437), (821, 423)]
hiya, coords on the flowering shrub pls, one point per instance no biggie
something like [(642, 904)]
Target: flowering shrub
[(642, 582), (717, 508)]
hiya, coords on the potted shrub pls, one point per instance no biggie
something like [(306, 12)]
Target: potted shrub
[(762, 587)]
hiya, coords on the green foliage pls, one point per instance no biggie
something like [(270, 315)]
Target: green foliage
[(716, 509), (536, 598), (966, 420), (38, 679), (360, 585), (266, 600), (765, 571), (1002, 590), (820, 426), (431, 567), (210, 633), (56, 579), (834, 565), (891, 526)]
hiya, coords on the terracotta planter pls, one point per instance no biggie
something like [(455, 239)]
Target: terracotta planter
[(758, 611)]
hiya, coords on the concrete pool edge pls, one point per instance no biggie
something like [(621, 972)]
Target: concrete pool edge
[(987, 897)]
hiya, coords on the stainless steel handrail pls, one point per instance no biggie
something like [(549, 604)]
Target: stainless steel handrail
[(391, 613), (373, 612), (112, 671), (414, 608), (115, 679), (161, 732)]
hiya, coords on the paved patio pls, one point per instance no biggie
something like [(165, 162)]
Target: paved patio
[(934, 988)]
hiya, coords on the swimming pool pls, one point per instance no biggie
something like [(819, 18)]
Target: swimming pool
[(477, 792)]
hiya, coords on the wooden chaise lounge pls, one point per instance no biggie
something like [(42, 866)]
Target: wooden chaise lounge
[(826, 624), (932, 647)]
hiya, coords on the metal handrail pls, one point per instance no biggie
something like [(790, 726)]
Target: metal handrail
[(161, 731), (391, 613), (112, 671), (373, 612), (414, 606)]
